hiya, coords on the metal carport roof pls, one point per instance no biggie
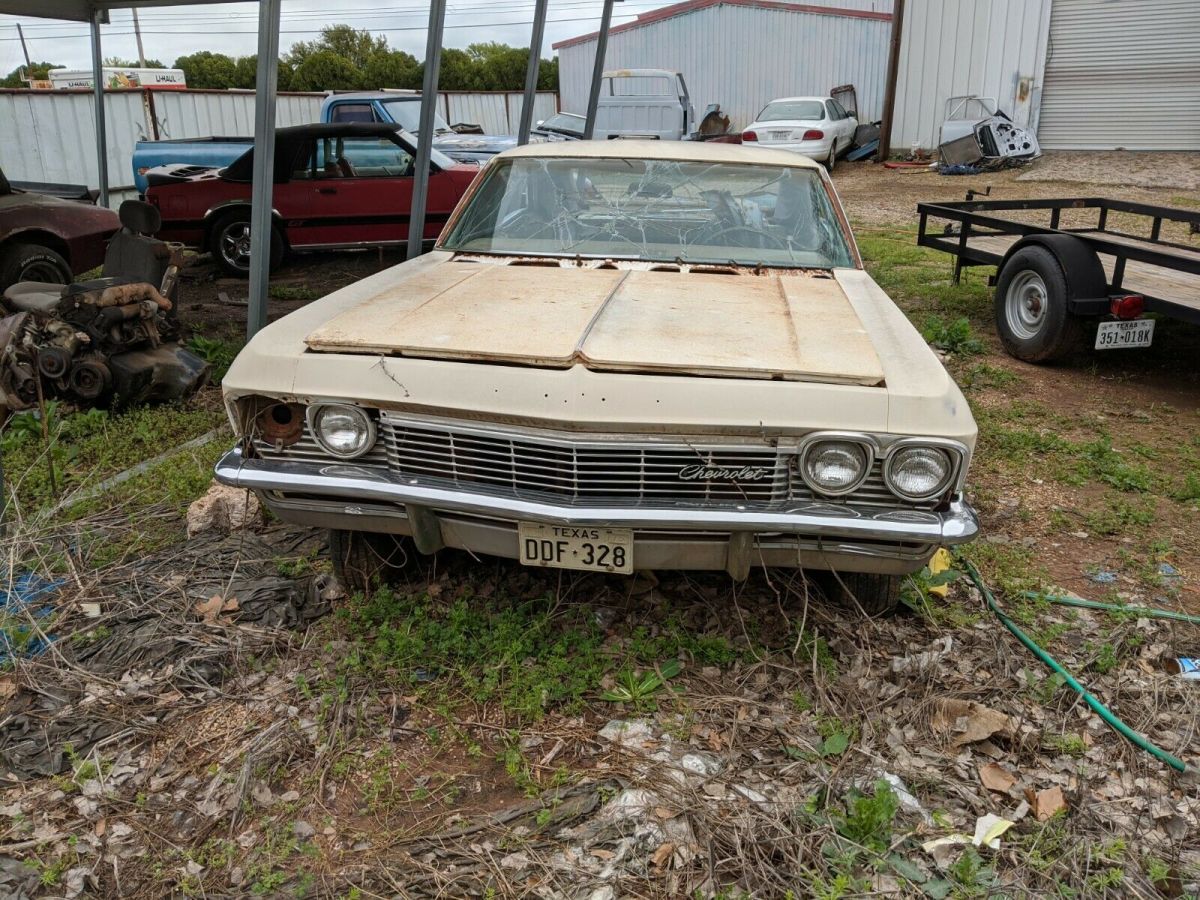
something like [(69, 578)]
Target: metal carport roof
[(95, 12)]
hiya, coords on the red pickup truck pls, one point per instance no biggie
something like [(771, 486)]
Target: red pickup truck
[(337, 185)]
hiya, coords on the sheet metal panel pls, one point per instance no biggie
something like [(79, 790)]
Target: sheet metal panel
[(50, 136), (1122, 75), (47, 136), (497, 112), (186, 114), (949, 48), (744, 56)]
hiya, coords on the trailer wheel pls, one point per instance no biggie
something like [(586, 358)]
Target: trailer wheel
[(1031, 307)]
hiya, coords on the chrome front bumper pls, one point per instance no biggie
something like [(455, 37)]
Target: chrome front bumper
[(344, 494)]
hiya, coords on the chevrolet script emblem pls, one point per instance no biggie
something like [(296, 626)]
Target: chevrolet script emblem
[(723, 473)]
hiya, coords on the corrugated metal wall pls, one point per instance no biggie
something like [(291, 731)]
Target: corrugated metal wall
[(951, 47), (1121, 74), (495, 112), (743, 56), (50, 135), (186, 114)]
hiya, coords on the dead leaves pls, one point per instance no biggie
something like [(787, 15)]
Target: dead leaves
[(213, 610), (969, 722), (1045, 803), (996, 778)]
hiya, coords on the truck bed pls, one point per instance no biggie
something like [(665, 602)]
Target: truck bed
[(1166, 273)]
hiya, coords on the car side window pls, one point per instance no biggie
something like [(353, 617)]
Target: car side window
[(353, 112), (841, 110), (369, 157), (833, 111), (304, 167)]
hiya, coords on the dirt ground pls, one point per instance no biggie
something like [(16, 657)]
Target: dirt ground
[(214, 717)]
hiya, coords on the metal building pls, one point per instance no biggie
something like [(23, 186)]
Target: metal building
[(743, 53), (1084, 74)]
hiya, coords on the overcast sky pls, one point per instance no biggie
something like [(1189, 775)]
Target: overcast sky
[(168, 32)]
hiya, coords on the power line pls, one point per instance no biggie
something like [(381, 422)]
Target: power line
[(177, 33)]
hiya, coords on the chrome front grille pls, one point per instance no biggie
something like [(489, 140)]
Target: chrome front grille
[(585, 471), (308, 450)]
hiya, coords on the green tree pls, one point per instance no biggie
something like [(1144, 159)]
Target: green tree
[(548, 75), (117, 62), (206, 69), (39, 70), (498, 67), (457, 72), (392, 69), (325, 70), (246, 74), (353, 45)]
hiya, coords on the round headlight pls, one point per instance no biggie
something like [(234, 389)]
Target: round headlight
[(918, 473), (834, 467), (344, 431)]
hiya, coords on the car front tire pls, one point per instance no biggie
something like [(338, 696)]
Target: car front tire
[(229, 242), (875, 595), (32, 262), (363, 560)]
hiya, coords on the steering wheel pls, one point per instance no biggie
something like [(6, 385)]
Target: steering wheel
[(759, 240)]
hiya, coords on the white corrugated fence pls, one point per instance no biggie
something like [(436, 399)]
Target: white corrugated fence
[(50, 135)]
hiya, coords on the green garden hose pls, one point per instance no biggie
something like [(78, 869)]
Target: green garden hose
[(1141, 611), (1099, 708)]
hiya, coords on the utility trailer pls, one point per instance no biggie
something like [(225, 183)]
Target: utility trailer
[(1052, 283)]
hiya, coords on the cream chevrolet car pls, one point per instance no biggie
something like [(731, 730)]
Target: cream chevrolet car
[(621, 356)]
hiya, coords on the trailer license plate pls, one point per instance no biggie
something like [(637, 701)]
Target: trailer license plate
[(567, 547), (1126, 333)]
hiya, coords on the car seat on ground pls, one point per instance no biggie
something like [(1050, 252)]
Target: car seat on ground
[(133, 255)]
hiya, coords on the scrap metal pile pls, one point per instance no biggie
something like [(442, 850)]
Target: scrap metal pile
[(98, 343), (976, 136), (110, 341)]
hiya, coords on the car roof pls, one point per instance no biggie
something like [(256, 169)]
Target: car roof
[(389, 94), (675, 151), (289, 140), (335, 129), (795, 99)]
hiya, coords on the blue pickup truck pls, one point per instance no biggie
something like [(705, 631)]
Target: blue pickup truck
[(400, 107)]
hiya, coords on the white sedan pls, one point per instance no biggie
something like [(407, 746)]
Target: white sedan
[(816, 127)]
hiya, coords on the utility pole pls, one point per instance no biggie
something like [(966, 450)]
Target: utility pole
[(137, 32), (24, 49), (589, 125), (889, 93), (429, 99), (531, 72)]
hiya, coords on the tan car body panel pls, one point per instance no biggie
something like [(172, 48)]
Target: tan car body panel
[(919, 398), (795, 326)]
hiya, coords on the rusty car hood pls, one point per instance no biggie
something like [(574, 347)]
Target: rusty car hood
[(791, 326)]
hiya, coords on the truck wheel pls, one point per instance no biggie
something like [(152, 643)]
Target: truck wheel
[(229, 242), (364, 559), (32, 262), (1031, 307), (876, 595)]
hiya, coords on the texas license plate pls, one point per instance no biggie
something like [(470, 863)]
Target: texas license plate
[(567, 547), (780, 135), (1125, 333)]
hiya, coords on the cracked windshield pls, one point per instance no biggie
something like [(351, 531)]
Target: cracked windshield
[(665, 210)]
